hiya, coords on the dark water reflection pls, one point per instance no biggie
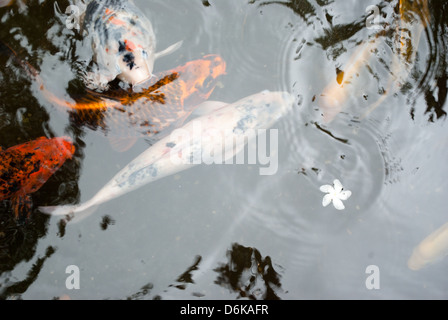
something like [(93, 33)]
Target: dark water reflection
[(225, 232)]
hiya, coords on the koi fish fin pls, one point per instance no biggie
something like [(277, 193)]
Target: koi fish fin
[(73, 213), (58, 210), (122, 144), (168, 50)]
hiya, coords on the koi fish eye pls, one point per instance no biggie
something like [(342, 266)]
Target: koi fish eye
[(144, 54)]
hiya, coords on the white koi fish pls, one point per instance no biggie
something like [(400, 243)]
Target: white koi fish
[(123, 42), (433, 248), (231, 122)]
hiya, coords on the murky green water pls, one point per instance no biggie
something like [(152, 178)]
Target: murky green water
[(225, 231)]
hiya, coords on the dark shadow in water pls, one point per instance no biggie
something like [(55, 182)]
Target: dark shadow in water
[(431, 83), (23, 119), (187, 277), (142, 293), (302, 8), (106, 222), (345, 141), (14, 290), (434, 83), (249, 274)]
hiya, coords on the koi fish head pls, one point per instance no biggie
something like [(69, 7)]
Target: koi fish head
[(123, 41), (135, 62), (200, 77)]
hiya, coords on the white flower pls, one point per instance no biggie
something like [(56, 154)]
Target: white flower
[(335, 194)]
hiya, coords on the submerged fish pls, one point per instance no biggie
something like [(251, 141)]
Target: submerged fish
[(335, 95), (123, 43), (26, 167), (414, 17), (433, 248), (167, 100), (170, 98), (230, 121)]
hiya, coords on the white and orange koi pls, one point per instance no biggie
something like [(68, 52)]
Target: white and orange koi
[(123, 42)]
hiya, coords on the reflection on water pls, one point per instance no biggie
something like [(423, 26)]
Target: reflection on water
[(249, 274), (246, 273), (386, 142), (12, 289)]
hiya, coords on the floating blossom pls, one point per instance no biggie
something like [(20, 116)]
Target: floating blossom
[(335, 194)]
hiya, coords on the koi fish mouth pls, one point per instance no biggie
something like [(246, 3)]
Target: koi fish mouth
[(135, 68)]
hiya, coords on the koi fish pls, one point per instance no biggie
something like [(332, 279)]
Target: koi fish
[(123, 43), (125, 116), (26, 167), (335, 95), (433, 248), (185, 85), (230, 121), (170, 98), (408, 33)]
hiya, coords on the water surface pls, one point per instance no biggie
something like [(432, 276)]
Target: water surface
[(225, 231)]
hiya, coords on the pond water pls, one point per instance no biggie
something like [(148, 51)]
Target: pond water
[(226, 231)]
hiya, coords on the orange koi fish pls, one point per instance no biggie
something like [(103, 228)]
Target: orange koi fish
[(26, 167), (167, 99), (170, 97)]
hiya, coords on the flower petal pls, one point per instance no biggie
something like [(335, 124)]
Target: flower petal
[(326, 188), (344, 195), (338, 204), (326, 200), (337, 186)]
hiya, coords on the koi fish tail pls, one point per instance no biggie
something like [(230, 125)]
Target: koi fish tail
[(59, 210), (74, 213)]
